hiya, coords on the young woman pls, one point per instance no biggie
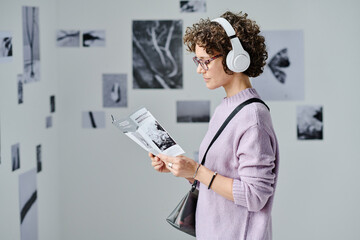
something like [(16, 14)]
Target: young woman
[(238, 179)]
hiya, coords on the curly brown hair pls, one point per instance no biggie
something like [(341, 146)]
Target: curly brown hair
[(212, 37)]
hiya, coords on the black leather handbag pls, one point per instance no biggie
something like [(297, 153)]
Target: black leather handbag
[(183, 216)]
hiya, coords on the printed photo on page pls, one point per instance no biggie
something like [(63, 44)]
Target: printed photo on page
[(146, 131)]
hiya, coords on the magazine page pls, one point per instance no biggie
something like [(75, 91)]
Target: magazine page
[(145, 130), (129, 127)]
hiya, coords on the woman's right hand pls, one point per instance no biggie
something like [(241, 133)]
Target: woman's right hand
[(157, 164)]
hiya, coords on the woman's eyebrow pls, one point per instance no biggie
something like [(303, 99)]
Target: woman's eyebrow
[(203, 57)]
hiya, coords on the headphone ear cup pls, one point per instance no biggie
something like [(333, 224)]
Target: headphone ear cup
[(241, 62), (230, 61)]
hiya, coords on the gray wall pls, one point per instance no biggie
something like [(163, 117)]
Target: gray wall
[(98, 184), (25, 124)]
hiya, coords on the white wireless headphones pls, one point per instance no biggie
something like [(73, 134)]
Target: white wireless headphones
[(237, 60)]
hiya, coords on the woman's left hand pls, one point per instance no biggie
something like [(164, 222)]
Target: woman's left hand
[(180, 166)]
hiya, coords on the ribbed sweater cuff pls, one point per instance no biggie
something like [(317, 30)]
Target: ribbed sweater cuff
[(239, 193)]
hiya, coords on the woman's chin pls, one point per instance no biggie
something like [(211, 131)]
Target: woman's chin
[(211, 86)]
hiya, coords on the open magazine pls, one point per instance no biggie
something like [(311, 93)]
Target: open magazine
[(146, 131)]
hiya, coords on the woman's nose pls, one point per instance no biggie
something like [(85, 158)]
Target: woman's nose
[(199, 69)]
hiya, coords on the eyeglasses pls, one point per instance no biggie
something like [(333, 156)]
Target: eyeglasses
[(204, 64)]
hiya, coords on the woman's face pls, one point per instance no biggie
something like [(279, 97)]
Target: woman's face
[(215, 76)]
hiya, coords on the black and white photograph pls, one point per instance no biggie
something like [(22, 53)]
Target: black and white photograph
[(28, 205), (157, 54), (48, 122), (38, 158), (68, 38), (114, 90), (20, 87), (193, 6), (52, 103), (283, 76), (192, 111), (6, 49), (158, 135), (309, 122), (93, 38), (15, 156), (93, 119), (31, 44)]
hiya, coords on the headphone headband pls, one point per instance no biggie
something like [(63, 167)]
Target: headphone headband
[(226, 25), (230, 32)]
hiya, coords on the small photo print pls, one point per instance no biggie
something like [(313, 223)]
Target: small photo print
[(68, 38), (38, 158), (193, 6), (15, 156), (309, 122), (28, 205), (52, 103), (6, 50), (94, 38), (114, 90), (20, 82), (31, 44), (193, 111), (49, 122), (93, 119)]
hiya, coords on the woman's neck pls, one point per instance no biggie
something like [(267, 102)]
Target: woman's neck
[(239, 82)]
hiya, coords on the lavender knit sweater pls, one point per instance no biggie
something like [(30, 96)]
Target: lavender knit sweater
[(246, 151)]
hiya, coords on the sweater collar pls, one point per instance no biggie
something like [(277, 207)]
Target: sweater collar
[(240, 97)]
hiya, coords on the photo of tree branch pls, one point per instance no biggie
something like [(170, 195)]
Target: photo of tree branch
[(68, 38), (31, 44), (157, 54)]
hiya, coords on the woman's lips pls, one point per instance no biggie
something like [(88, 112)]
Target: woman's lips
[(206, 79)]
